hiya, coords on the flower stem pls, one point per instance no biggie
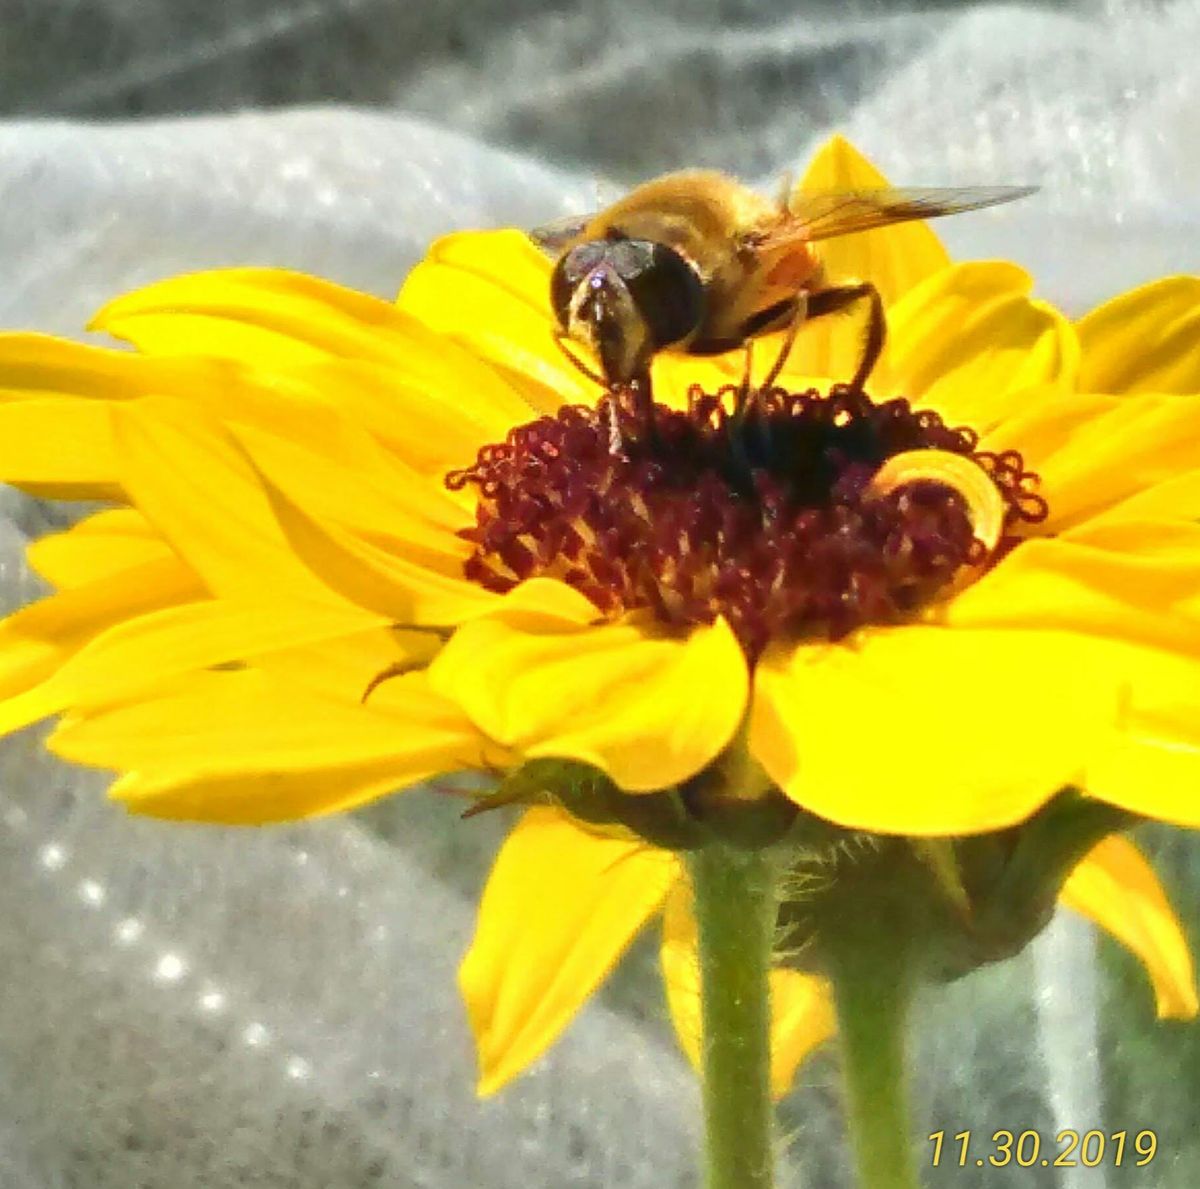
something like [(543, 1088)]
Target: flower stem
[(871, 986), (735, 898)]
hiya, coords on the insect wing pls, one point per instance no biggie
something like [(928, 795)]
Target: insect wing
[(552, 237), (826, 215)]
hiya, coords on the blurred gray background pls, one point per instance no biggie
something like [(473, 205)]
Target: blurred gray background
[(731, 83), (202, 1007)]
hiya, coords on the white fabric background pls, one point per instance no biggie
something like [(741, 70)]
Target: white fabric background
[(191, 1006)]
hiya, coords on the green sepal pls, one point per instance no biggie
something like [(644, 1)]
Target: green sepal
[(588, 794), (961, 903), (1013, 877)]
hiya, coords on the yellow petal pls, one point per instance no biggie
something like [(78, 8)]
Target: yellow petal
[(913, 730), (1174, 499), (265, 798), (431, 401), (324, 334), (491, 291), (39, 365), (152, 648), (1146, 340), (35, 640), (435, 412), (58, 448), (802, 1018), (559, 909), (341, 474), (1138, 582), (1117, 455), (426, 588), (196, 487), (241, 747), (969, 341), (100, 545), (1116, 888), (802, 1013), (344, 667), (1152, 773), (648, 711), (507, 260), (1041, 421), (262, 316), (894, 259)]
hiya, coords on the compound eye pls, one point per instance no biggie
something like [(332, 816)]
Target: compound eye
[(666, 289), (572, 269)]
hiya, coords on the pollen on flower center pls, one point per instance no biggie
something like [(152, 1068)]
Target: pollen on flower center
[(766, 511)]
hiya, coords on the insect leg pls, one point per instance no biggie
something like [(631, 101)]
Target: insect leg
[(743, 394), (800, 314), (832, 301)]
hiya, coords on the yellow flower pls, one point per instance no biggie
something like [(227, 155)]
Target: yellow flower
[(287, 536)]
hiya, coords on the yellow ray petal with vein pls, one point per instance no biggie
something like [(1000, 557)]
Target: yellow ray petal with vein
[(344, 476), (953, 692), (39, 365), (1116, 888), (1146, 340), (609, 696), (1152, 769), (1044, 420), (432, 413), (265, 798), (194, 484), (143, 652), (262, 316), (1174, 499), (269, 318), (100, 545), (969, 340), (559, 909), (508, 261), (35, 640), (241, 747), (491, 291), (428, 591), (1138, 443), (802, 1012), (1137, 582)]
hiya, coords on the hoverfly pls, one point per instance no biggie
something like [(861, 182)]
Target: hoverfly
[(700, 262)]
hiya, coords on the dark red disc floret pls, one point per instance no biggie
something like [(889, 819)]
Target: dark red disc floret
[(758, 510)]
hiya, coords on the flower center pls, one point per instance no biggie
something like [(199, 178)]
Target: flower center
[(777, 512)]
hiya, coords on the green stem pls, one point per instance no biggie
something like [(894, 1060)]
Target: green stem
[(735, 897), (871, 984)]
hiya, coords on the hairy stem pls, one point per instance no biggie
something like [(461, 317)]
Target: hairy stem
[(871, 981), (735, 898)]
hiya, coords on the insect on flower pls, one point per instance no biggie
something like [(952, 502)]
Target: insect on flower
[(698, 261)]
